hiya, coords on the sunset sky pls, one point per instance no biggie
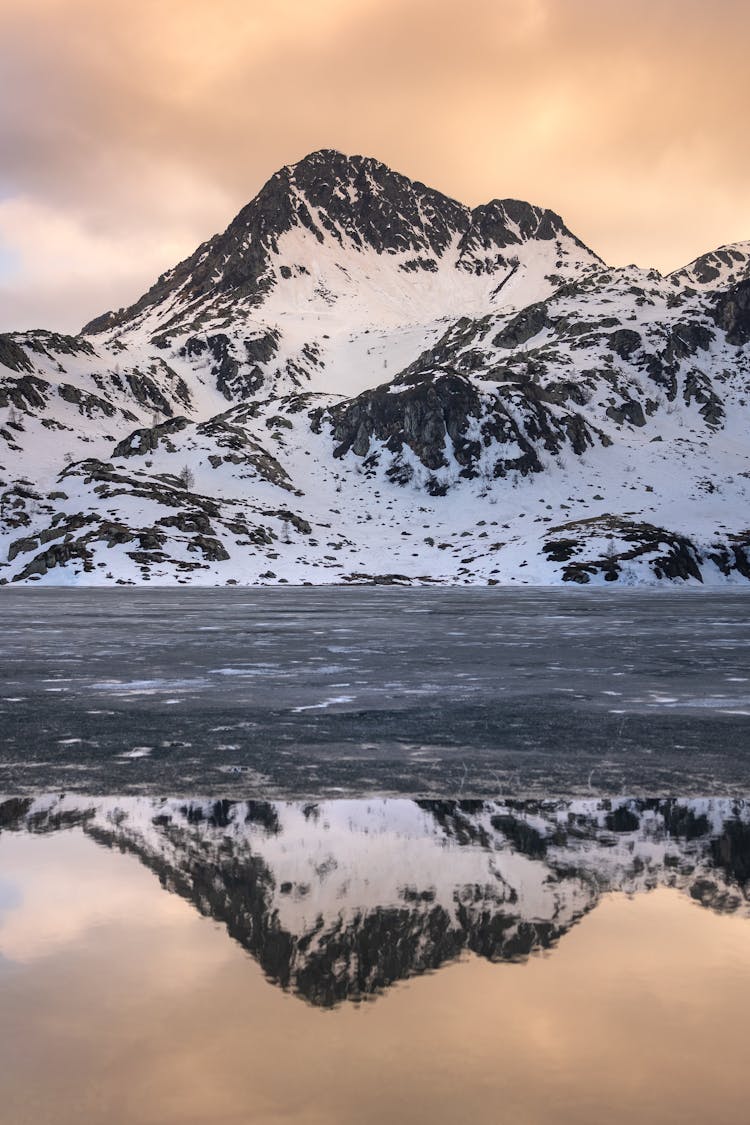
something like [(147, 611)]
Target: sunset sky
[(131, 130)]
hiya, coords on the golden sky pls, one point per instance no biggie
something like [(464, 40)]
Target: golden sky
[(131, 130)]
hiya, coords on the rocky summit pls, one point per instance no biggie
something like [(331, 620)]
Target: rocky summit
[(362, 380)]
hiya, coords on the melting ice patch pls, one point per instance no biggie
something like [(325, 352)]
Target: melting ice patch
[(137, 752), (325, 703), (246, 670), (147, 687)]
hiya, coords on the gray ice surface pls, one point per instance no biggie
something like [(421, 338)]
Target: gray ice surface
[(338, 691)]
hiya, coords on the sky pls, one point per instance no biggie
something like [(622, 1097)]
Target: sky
[(132, 130)]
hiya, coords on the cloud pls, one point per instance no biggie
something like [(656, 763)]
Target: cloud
[(56, 267), (138, 129)]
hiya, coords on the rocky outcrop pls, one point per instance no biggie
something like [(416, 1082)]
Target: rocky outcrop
[(148, 439), (621, 544), (12, 355), (732, 312)]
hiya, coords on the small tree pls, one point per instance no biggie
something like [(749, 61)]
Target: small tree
[(186, 477)]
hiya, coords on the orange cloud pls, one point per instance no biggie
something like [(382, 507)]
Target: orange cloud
[(146, 125)]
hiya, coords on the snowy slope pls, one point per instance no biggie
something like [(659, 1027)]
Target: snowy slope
[(363, 380)]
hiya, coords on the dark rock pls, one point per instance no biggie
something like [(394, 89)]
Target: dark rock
[(13, 810), (688, 337), (624, 342), (148, 439), (732, 313), (147, 392), (58, 555), (418, 416), (21, 547), (561, 550), (26, 393), (189, 522), (628, 411), (150, 539), (12, 355), (88, 404), (212, 549), (57, 343), (115, 534), (523, 327)]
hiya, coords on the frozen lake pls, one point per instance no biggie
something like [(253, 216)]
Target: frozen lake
[(324, 692)]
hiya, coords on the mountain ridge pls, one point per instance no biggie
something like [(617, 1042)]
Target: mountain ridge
[(410, 217)]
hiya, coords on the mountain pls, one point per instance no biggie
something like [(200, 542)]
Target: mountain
[(340, 900), (362, 380), (338, 239), (726, 266)]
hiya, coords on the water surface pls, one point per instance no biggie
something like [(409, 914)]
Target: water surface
[(397, 878), (167, 961)]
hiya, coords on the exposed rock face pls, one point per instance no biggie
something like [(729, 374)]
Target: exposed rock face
[(420, 415), (149, 438), (438, 416), (733, 313), (364, 380), (13, 356), (668, 555)]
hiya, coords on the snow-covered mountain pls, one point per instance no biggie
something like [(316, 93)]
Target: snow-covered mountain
[(363, 380), (339, 900), (719, 269)]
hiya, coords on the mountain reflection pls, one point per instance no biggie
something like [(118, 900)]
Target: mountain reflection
[(338, 900)]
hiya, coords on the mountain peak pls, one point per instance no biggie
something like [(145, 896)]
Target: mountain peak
[(351, 205), (717, 269), (335, 161)]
